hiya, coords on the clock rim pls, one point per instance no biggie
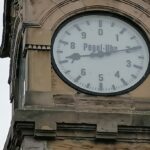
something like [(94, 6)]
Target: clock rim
[(124, 18)]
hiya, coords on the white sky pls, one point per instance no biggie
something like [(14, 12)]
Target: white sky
[(5, 106)]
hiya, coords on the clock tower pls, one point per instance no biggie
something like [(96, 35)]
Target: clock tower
[(79, 74)]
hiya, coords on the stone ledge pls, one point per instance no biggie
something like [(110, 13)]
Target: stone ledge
[(52, 124), (84, 103)]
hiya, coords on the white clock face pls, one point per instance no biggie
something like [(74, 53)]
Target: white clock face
[(100, 54)]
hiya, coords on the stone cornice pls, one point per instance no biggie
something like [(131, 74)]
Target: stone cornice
[(36, 47), (112, 126), (46, 14), (55, 124)]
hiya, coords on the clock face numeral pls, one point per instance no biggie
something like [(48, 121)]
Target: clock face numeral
[(129, 63), (83, 71), (83, 34), (101, 77), (100, 54), (117, 74), (72, 45)]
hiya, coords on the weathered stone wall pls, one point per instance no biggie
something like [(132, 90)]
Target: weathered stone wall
[(49, 102), (32, 144), (43, 17), (88, 145)]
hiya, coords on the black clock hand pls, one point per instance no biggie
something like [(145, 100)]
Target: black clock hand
[(74, 56), (128, 50), (77, 56)]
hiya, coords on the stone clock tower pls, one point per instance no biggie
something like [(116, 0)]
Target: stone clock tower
[(79, 74)]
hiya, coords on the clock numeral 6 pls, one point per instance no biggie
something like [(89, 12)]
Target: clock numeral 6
[(101, 77), (83, 72)]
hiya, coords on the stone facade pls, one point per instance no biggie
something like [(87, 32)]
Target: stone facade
[(46, 108), (80, 145)]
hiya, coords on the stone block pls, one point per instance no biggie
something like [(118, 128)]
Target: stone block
[(39, 71), (29, 143), (41, 99)]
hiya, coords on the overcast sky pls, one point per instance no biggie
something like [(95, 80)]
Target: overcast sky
[(5, 106)]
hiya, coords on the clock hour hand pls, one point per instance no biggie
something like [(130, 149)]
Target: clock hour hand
[(77, 56), (74, 56)]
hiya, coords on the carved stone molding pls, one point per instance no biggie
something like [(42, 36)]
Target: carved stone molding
[(40, 20), (18, 5), (107, 126), (53, 125), (35, 47), (15, 41), (66, 2), (136, 5), (17, 133)]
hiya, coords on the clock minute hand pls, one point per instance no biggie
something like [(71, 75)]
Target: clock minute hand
[(128, 49), (110, 52)]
